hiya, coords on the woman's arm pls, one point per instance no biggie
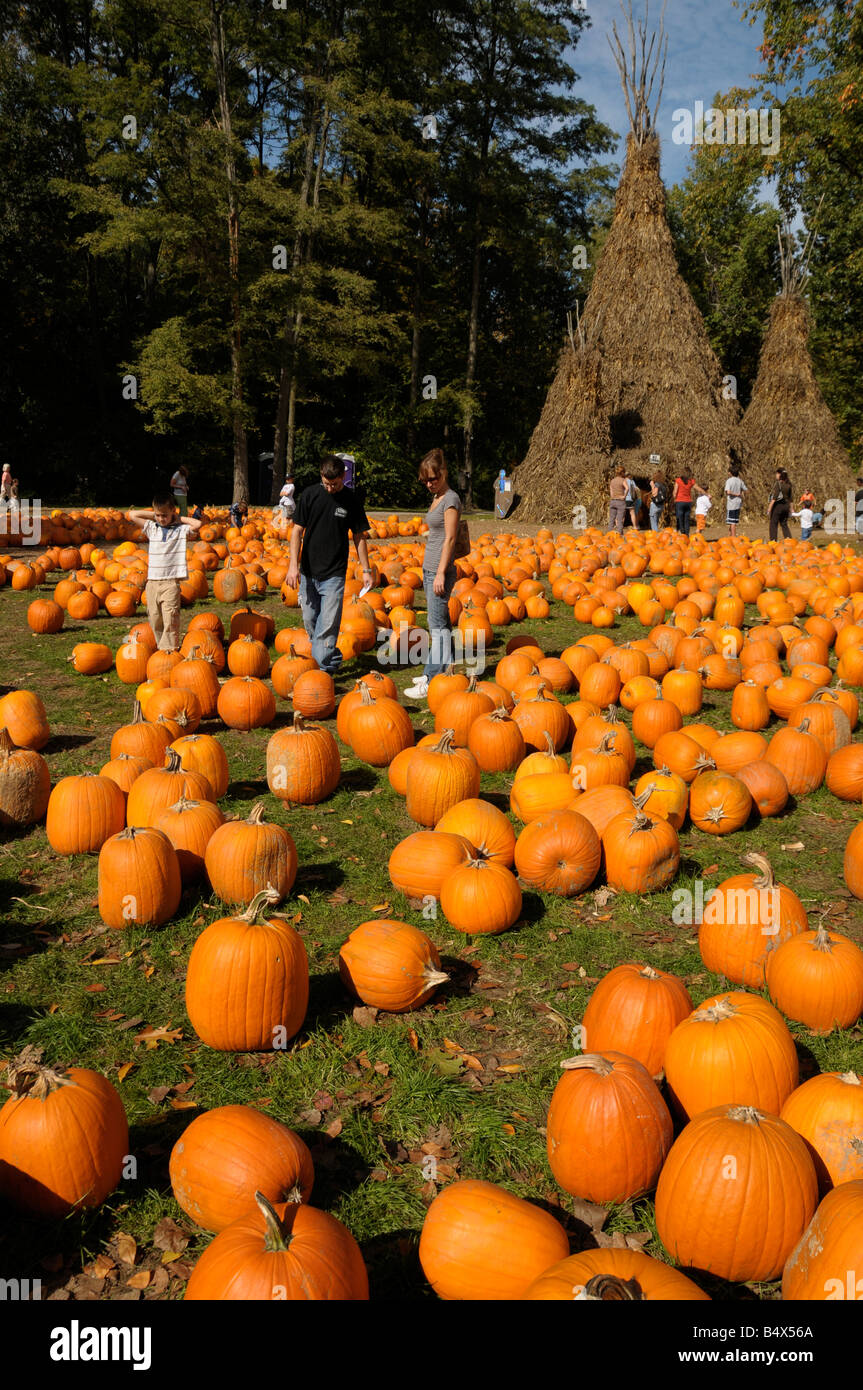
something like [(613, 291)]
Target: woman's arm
[(450, 523)]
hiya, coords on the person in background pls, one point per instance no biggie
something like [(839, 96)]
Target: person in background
[(702, 507), (633, 501), (6, 484), (779, 506), (167, 535), (439, 571), (287, 505), (238, 513), (617, 490), (180, 489), (807, 499), (325, 517), (735, 489), (807, 521), (658, 499), (683, 485), (198, 513)]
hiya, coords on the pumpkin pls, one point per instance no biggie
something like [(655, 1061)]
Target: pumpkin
[(827, 1112), (303, 763), (139, 878), (379, 728), (642, 854), (719, 804), (481, 898), (800, 756), (203, 753), (542, 794), (744, 918), (314, 695), (601, 805), (443, 684), (177, 706), (189, 826), (23, 716), (438, 777), (248, 657), (825, 721), (733, 751), (601, 766), (131, 661), (766, 785), (246, 703), (653, 718), (466, 1227), (547, 761), (154, 791), (558, 854), (484, 827), (141, 739), (226, 1154), (287, 1251), (496, 741), (608, 1128), (197, 674), (459, 709), (247, 981), (825, 1264), (539, 714), (735, 1049), (420, 864), (634, 1010), (25, 784), (245, 857), (681, 754), (287, 670), (664, 794), (619, 1275), (816, 978), (63, 1137), (44, 616), (124, 770), (844, 774), (390, 965), (84, 812), (736, 1193), (90, 658)]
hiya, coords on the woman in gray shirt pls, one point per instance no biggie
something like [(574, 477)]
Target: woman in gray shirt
[(439, 571)]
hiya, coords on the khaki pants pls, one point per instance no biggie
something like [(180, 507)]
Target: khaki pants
[(163, 610)]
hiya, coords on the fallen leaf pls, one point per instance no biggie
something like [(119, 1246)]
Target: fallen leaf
[(94, 989), (382, 1068), (183, 1104), (105, 960), (334, 1129), (364, 1015), (153, 1036), (381, 907), (140, 1280), (711, 869), (303, 899), (124, 1070), (158, 1094), (511, 1067), (413, 1039), (169, 1236), (127, 1248), (101, 1266), (508, 1129), (311, 1117), (347, 822), (130, 1023), (794, 848)]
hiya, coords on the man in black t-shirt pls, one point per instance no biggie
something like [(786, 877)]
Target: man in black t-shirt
[(325, 515)]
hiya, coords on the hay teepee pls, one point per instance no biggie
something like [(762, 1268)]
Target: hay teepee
[(652, 384), (788, 423)]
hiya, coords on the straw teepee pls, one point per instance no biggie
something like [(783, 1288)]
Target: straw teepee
[(788, 423), (654, 384)]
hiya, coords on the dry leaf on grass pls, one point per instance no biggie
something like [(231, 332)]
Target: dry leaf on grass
[(127, 1248)]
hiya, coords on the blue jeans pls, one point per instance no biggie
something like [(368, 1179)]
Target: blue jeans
[(683, 510), (805, 532), (440, 632), (321, 604), (655, 515)]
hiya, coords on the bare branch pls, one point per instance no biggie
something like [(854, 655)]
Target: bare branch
[(640, 64)]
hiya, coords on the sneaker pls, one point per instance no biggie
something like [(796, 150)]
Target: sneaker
[(418, 690)]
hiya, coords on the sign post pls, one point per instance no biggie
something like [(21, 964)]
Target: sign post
[(503, 494)]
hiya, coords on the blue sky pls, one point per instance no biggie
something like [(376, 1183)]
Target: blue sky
[(710, 49)]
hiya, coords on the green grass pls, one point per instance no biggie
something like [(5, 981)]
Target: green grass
[(382, 1090)]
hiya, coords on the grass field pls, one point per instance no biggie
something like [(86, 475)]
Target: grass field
[(465, 1081)]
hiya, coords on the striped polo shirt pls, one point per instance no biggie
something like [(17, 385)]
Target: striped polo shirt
[(167, 550)]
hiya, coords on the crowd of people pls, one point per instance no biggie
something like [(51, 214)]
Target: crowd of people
[(643, 506)]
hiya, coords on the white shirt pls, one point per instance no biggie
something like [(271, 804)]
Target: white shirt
[(807, 518), (167, 550), (702, 505), (179, 484)]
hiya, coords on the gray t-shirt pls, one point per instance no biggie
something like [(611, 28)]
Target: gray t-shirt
[(735, 488), (436, 534)]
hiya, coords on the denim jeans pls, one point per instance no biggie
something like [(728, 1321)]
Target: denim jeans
[(805, 532), (321, 604), (440, 632), (683, 511), (655, 515)]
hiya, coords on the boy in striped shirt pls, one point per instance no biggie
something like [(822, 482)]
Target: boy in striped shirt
[(167, 536)]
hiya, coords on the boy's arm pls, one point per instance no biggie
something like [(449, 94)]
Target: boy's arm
[(139, 516), (193, 522)]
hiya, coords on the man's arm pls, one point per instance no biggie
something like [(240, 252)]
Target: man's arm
[(363, 553), (292, 578)]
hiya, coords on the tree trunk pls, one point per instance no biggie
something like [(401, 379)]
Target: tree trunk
[(470, 375), (220, 70)]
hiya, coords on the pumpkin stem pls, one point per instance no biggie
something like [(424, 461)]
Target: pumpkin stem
[(703, 762), (499, 713), (647, 972), (549, 743), (173, 761), (850, 1078), (26, 1075), (137, 713), (539, 693), (256, 815), (591, 1061), (184, 804), (760, 861), (610, 1288), (471, 686), (434, 977), (803, 726), (6, 744), (639, 802), (612, 714), (266, 898), (444, 743), (722, 1009), (641, 822), (823, 941), (298, 724), (365, 693), (746, 1114)]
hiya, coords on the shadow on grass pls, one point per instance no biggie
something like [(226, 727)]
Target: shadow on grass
[(60, 743), (394, 1267)]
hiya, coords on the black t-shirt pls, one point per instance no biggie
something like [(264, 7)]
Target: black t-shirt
[(326, 519)]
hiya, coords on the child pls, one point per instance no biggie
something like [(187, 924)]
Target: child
[(702, 507), (286, 506), (167, 535), (807, 521), (238, 511)]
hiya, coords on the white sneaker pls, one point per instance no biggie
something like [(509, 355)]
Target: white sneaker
[(418, 690)]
